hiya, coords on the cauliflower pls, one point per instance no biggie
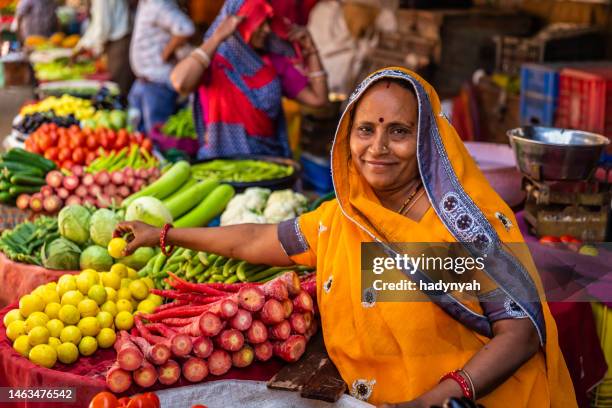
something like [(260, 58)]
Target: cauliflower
[(284, 205), (260, 206)]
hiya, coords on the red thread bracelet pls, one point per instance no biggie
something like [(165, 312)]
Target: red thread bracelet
[(162, 240), (463, 383)]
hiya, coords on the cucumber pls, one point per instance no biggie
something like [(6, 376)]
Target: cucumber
[(16, 190), (181, 203), (209, 208), (5, 185), (23, 180), (5, 197), (165, 185), (186, 186), (21, 155), (18, 167)]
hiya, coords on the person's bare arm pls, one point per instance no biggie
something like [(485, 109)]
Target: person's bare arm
[(174, 44), (254, 243), (316, 93), (515, 341), (187, 74)]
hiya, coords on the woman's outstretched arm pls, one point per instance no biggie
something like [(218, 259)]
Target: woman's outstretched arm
[(254, 243)]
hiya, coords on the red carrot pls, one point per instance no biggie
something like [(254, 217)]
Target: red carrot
[(303, 302), (257, 333), (208, 324), (292, 281), (186, 297), (117, 379), (169, 373), (157, 354), (242, 320), (310, 285), (226, 287), (180, 344), (281, 331), (178, 283), (311, 330), (146, 375), (225, 308), (276, 289), (195, 369), (179, 321), (308, 318), (202, 346), (291, 349), (272, 312), (171, 305), (129, 355), (231, 340), (243, 357), (146, 334), (298, 323), (288, 306), (219, 362), (251, 298), (182, 311), (264, 351)]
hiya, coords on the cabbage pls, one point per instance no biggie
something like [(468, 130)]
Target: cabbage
[(73, 223), (102, 225), (139, 258), (97, 258), (148, 210), (61, 254)]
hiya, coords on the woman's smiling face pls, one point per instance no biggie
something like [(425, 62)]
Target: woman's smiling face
[(383, 136)]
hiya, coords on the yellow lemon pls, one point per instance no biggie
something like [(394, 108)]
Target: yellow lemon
[(139, 289), (16, 329), (89, 326), (70, 334), (38, 335), (52, 286), (125, 283), (111, 280), (149, 282), (124, 320), (116, 246), (106, 338), (109, 307), (43, 355), (156, 299), (72, 297), (52, 310), (22, 345), (69, 314), (146, 306), (105, 319), (54, 342), (36, 319), (83, 283), (120, 269), (98, 294), (67, 353), (11, 316), (124, 293), (29, 304), (55, 327), (38, 291), (65, 284), (92, 274), (132, 273), (88, 345), (88, 307), (49, 295), (124, 305)]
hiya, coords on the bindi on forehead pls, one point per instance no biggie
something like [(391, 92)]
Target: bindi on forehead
[(381, 120)]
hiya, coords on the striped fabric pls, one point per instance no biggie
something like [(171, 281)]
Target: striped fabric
[(157, 21)]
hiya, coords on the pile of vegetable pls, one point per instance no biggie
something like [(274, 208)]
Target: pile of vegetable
[(202, 267), (102, 189), (58, 39), (73, 145), (216, 327), (180, 125), (134, 158), (115, 119), (63, 106), (262, 206), (570, 242), (31, 122), (240, 171), (60, 70), (24, 242), (186, 202), (22, 173), (106, 399), (77, 314)]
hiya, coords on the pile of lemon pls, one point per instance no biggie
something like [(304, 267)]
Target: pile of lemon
[(62, 106), (78, 314)]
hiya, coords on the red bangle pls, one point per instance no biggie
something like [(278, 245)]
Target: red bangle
[(463, 383), (162, 240)]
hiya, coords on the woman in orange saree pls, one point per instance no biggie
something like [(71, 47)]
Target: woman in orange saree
[(402, 174)]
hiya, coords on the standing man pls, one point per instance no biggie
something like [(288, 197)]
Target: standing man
[(36, 17), (160, 30), (109, 32)]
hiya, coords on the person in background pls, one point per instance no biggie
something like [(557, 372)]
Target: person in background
[(36, 17), (160, 30), (297, 11), (239, 80), (109, 32)]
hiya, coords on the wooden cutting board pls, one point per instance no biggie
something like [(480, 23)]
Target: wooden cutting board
[(314, 375)]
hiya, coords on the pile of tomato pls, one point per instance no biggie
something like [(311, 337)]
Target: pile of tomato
[(108, 400), (73, 145)]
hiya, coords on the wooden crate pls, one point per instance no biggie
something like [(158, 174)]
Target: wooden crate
[(17, 73), (498, 111)]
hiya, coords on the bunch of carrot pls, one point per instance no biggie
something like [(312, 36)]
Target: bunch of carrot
[(208, 328)]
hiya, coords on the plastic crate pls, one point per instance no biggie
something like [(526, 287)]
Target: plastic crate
[(536, 110), (316, 173), (540, 79), (585, 99)]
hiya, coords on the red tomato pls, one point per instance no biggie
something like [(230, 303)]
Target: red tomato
[(64, 154), (123, 402), (44, 142), (90, 157), (63, 141), (31, 146), (78, 155), (54, 137), (569, 239), (122, 141), (51, 153), (104, 142), (68, 164), (112, 137), (77, 140), (147, 144), (104, 400), (91, 142), (199, 406), (549, 239), (138, 137), (140, 401), (152, 397), (74, 129)]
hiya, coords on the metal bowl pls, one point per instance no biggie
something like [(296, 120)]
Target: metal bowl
[(544, 153)]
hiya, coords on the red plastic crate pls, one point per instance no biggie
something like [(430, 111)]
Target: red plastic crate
[(585, 100)]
